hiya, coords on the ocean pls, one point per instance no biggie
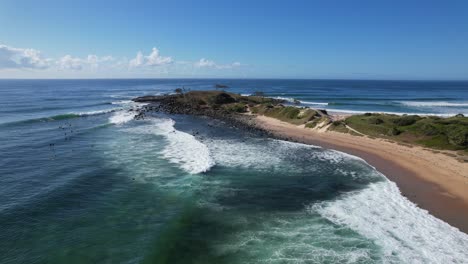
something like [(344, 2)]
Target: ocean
[(81, 181)]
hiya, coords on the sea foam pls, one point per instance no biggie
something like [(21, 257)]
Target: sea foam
[(434, 104), (121, 117), (405, 232), (182, 148)]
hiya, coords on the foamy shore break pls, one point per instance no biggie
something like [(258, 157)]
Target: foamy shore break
[(426, 156)]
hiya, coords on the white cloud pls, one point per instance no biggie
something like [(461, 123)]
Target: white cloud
[(20, 62), (204, 63), (14, 58), (69, 62), (95, 60), (153, 59)]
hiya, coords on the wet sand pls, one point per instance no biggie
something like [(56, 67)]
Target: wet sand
[(435, 182)]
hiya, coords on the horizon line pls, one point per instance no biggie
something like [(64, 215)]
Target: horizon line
[(239, 78)]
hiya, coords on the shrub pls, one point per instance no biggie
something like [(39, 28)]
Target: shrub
[(407, 120), (457, 135), (238, 108), (429, 130), (290, 112), (223, 98), (311, 124), (337, 123), (375, 121), (393, 131)]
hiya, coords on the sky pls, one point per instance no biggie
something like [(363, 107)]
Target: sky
[(420, 40)]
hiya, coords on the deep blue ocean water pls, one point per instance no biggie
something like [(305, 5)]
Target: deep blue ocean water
[(81, 181)]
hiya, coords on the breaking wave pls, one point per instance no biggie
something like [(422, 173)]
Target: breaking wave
[(121, 117), (404, 231), (182, 148)]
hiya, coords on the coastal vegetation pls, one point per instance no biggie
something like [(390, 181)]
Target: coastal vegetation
[(206, 102), (291, 114), (431, 131)]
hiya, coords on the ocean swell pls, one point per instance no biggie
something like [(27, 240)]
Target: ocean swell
[(60, 117)]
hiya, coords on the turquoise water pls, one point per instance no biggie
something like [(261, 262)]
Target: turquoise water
[(82, 182)]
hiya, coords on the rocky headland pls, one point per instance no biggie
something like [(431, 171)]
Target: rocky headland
[(427, 156)]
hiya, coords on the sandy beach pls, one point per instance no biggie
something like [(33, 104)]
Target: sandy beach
[(434, 181)]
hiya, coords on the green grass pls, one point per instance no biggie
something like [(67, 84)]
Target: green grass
[(339, 126), (220, 98), (235, 107), (316, 121), (290, 114), (434, 132)]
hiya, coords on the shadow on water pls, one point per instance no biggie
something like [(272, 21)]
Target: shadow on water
[(189, 239), (278, 192)]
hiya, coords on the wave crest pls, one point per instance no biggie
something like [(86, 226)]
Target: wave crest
[(182, 148), (404, 231)]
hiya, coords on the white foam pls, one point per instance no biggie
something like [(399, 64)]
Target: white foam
[(405, 232), (270, 154), (121, 102), (129, 103), (98, 112), (120, 96), (183, 149), (122, 117), (346, 111), (291, 100), (313, 103), (433, 103)]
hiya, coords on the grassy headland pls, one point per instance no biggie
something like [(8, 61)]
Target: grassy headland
[(435, 180), (428, 131)]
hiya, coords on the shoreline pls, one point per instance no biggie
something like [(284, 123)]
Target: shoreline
[(435, 182)]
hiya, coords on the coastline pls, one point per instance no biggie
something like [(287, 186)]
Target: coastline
[(435, 182)]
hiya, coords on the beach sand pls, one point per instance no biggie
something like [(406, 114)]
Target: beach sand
[(434, 181)]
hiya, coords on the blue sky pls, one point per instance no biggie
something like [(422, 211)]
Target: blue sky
[(234, 39)]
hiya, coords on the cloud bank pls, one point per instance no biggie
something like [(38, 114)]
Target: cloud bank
[(205, 63), (16, 58), (31, 61)]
